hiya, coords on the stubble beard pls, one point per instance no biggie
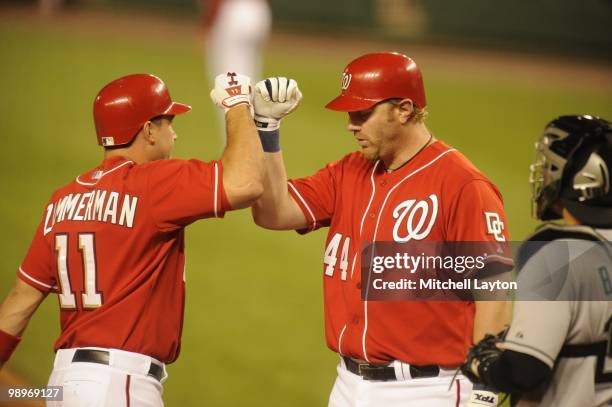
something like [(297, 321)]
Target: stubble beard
[(371, 152), (370, 155)]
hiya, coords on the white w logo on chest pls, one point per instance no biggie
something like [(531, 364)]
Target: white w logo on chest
[(411, 219)]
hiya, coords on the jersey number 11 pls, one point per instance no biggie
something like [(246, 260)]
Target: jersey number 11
[(91, 298)]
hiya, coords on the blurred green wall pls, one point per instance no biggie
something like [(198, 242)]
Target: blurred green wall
[(537, 25), (553, 24)]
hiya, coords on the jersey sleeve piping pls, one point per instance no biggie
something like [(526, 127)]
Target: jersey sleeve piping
[(215, 193), (303, 205), (39, 285), (221, 204), (215, 197)]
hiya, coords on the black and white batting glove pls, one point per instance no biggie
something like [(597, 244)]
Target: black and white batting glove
[(231, 89), (273, 99)]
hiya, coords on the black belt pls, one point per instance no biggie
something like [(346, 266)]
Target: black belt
[(383, 372), (102, 357)]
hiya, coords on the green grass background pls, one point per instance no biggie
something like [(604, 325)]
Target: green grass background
[(253, 332)]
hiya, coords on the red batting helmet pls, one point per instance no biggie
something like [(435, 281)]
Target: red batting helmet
[(372, 78), (123, 106)]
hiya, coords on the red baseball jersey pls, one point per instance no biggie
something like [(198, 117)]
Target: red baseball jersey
[(111, 245), (440, 196)]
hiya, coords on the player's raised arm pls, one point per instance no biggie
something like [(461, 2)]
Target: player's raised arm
[(243, 167), (273, 99), (15, 313)]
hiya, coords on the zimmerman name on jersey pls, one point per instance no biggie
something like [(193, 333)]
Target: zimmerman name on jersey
[(98, 205)]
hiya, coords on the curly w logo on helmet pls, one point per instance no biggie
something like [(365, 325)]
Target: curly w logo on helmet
[(346, 80)]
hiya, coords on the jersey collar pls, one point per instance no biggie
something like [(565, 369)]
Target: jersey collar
[(109, 165), (422, 157)]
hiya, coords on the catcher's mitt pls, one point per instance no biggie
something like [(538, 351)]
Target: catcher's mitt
[(481, 356)]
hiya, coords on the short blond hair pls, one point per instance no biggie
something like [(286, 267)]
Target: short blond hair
[(418, 115)]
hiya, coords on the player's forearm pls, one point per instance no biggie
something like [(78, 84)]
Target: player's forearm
[(243, 161), (491, 317), (276, 209), (273, 99), (18, 307), (267, 209)]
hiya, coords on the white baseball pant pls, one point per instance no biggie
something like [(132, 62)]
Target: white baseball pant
[(123, 382), (351, 390)]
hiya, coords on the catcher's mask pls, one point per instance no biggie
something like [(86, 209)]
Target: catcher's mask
[(572, 170)]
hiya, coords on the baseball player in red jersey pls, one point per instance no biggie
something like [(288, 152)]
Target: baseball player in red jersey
[(111, 242), (403, 185)]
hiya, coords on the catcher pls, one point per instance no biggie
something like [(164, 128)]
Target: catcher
[(558, 350)]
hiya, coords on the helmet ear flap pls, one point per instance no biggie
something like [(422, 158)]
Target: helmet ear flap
[(576, 168), (587, 176)]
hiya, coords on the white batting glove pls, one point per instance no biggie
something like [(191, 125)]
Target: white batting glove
[(231, 89), (273, 99)]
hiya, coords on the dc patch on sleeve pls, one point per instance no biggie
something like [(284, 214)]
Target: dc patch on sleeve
[(495, 226)]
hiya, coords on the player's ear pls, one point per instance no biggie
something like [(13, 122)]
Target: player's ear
[(406, 109), (148, 132)]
